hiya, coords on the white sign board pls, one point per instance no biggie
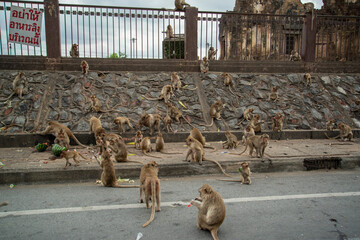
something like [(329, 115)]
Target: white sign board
[(25, 26)]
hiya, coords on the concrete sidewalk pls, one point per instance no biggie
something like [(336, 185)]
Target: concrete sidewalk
[(24, 165)]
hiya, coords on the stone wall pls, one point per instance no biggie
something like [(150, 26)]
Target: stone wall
[(65, 97)]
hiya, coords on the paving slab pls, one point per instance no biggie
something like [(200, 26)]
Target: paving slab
[(28, 165)]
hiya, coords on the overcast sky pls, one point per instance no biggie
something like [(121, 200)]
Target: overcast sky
[(202, 5)]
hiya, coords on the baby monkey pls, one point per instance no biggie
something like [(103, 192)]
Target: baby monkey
[(274, 95), (248, 132), (84, 67), (231, 141), (72, 154), (330, 125)]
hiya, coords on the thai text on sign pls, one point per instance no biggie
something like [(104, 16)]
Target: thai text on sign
[(25, 26)]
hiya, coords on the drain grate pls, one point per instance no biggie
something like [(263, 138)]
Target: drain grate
[(322, 163)]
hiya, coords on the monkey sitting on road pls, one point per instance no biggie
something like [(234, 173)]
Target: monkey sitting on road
[(150, 185), (212, 210), (72, 154), (138, 138), (108, 177), (195, 133), (245, 172), (160, 144), (145, 147)]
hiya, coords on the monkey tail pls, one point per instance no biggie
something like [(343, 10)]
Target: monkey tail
[(76, 140), (153, 202), (241, 152), (230, 180), (217, 163), (6, 99), (212, 122), (127, 186), (332, 137), (214, 233), (232, 91), (170, 152), (135, 161), (152, 99), (146, 154), (84, 157), (188, 122)]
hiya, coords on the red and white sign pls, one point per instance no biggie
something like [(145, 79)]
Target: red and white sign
[(25, 26)]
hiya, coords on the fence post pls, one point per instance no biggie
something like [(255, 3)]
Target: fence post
[(52, 27), (309, 38), (191, 33)]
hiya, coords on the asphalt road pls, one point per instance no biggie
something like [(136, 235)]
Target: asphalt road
[(298, 205)]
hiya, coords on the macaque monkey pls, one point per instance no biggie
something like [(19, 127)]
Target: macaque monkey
[(212, 210), (175, 81), (278, 122), (295, 56), (120, 121), (95, 104), (84, 67), (169, 31), (247, 114), (256, 123), (97, 129), (54, 128), (245, 172), (167, 122), (72, 154), (248, 132), (257, 142), (160, 144), (196, 150), (231, 140), (345, 132), (119, 149), (150, 121), (20, 86), (177, 114), (150, 185), (330, 125), (108, 177), (195, 133), (215, 111), (3, 204), (228, 81), (166, 93), (62, 139), (138, 138), (307, 78), (179, 4), (274, 95), (204, 65), (145, 147), (74, 52), (212, 53)]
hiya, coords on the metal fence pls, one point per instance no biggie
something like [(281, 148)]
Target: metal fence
[(9, 48), (104, 32), (338, 38)]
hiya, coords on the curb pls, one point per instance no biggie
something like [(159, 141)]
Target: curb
[(30, 140), (165, 170)]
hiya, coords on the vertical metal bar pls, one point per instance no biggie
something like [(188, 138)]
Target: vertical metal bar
[(83, 20), (158, 31), (95, 11), (147, 33), (119, 32), (131, 47), (136, 24), (102, 40), (107, 32), (6, 31), (125, 30), (77, 25), (113, 26), (90, 47), (201, 35), (71, 23), (142, 46), (216, 31)]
